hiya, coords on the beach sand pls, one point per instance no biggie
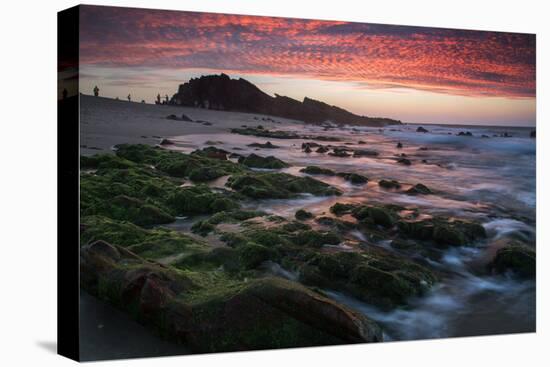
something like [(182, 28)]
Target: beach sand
[(105, 122)]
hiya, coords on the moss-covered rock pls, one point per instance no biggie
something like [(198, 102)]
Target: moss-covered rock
[(517, 258), (389, 184), (375, 215), (341, 209), (252, 255), (419, 189), (443, 231), (377, 277), (315, 170), (148, 243), (256, 161), (303, 215), (354, 178), (278, 186), (124, 207), (200, 200), (212, 312)]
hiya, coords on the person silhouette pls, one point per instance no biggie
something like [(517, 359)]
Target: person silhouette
[(166, 99), (65, 92), (158, 98), (129, 98), (96, 91)]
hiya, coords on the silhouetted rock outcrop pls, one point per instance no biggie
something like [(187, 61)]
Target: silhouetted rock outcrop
[(219, 92)]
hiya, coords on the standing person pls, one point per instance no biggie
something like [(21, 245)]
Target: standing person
[(158, 98), (166, 99), (96, 91), (129, 97)]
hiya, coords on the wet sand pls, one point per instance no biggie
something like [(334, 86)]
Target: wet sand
[(107, 333)]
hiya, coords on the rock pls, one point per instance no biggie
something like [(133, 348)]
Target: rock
[(258, 314), (389, 184), (361, 142), (533, 134), (485, 136), (339, 209), (219, 92), (303, 215), (517, 258), (421, 130), (462, 133), (256, 161), (315, 170), (404, 161), (354, 178), (419, 189), (399, 145), (322, 149), (364, 153), (448, 235), (166, 142), (267, 145), (278, 186), (307, 149), (339, 152), (176, 118)]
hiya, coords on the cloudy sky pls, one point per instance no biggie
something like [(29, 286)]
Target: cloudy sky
[(416, 74)]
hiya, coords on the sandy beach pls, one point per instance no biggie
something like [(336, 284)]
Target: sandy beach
[(105, 122)]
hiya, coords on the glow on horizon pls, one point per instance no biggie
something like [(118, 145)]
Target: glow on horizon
[(408, 105), (414, 74)]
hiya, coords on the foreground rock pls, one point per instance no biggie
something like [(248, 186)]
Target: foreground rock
[(517, 258), (223, 314), (256, 161)]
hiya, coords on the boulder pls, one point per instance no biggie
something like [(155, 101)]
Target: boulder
[(517, 258), (419, 189), (420, 129), (256, 161), (389, 184)]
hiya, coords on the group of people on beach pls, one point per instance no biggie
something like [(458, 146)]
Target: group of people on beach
[(129, 97)]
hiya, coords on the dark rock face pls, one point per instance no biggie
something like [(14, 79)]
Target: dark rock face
[(219, 92), (421, 130)]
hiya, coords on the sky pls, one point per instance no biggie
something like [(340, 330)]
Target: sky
[(415, 74)]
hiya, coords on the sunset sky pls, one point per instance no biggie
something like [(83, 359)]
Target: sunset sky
[(424, 75)]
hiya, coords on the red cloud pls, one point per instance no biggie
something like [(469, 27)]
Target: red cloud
[(375, 56)]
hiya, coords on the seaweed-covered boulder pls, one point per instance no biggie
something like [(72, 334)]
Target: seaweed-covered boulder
[(354, 178), (205, 173), (278, 186), (374, 214), (341, 208), (200, 200), (389, 184), (364, 153), (404, 161), (322, 149), (419, 189), (256, 161), (340, 152), (302, 214), (420, 129), (266, 145), (377, 277), (517, 258), (224, 314), (315, 170), (128, 208)]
